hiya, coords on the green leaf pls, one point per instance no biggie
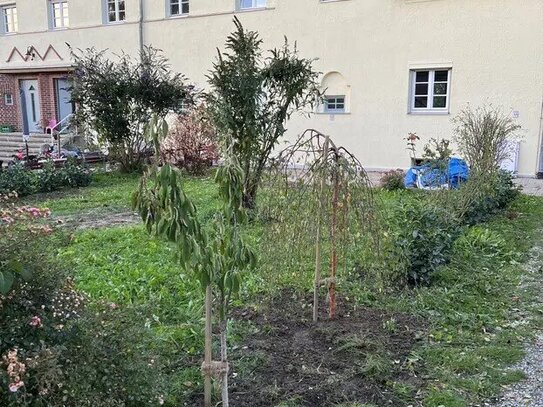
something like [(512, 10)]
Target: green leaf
[(6, 281)]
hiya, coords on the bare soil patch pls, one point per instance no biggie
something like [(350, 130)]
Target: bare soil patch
[(357, 357)]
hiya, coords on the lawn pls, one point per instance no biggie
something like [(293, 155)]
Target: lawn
[(448, 344)]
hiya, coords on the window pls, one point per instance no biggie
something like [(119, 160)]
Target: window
[(59, 13), (334, 104), (9, 19), (430, 90), (115, 11), (179, 7), (8, 99), (249, 4)]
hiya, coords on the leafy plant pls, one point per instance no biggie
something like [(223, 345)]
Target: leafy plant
[(437, 150), (74, 174), (50, 179), (192, 142), (423, 236), (217, 256), (393, 180), (117, 98), (253, 96), (483, 136), (18, 179)]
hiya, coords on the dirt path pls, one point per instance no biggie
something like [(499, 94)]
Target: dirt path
[(529, 392), (94, 219)]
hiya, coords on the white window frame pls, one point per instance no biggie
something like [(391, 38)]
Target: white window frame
[(335, 110), (13, 17), (429, 109), (64, 14), (180, 3), (8, 99), (255, 5), (117, 11)]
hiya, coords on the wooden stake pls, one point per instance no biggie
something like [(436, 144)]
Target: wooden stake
[(318, 238), (208, 346), (224, 360), (333, 268)]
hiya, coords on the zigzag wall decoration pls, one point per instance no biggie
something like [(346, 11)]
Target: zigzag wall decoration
[(32, 51)]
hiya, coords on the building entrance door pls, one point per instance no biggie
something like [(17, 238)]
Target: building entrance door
[(31, 105), (65, 107)]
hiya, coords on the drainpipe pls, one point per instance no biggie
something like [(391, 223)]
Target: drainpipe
[(539, 174), (141, 27)]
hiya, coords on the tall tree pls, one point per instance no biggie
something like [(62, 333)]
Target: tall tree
[(253, 96), (117, 98)]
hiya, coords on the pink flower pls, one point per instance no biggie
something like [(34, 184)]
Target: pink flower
[(13, 387), (36, 322)]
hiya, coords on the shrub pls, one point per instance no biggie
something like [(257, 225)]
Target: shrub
[(393, 180), (191, 142), (57, 349), (49, 178), (483, 136), (483, 197), (117, 98), (18, 179), (422, 237), (24, 181), (75, 174)]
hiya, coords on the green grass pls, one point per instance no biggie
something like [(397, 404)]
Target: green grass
[(473, 334)]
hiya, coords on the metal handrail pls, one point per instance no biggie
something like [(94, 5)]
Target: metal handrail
[(66, 119)]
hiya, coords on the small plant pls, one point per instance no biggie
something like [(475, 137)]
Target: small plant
[(217, 257), (411, 141), (393, 180), (18, 179), (437, 150), (191, 143), (50, 179), (75, 175), (483, 136)]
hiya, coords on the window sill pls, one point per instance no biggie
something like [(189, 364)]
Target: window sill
[(331, 1), (115, 22), (429, 113), (249, 10), (333, 113), (175, 16)]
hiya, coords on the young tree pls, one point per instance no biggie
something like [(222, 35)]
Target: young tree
[(253, 96), (483, 136), (117, 98), (217, 256)]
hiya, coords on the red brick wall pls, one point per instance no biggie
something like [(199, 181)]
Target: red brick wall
[(12, 115), (9, 114)]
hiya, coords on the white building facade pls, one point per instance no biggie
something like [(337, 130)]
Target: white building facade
[(389, 67)]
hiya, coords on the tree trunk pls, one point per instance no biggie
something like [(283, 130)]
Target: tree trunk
[(208, 356), (224, 360)]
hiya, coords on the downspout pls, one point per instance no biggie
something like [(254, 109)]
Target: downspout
[(539, 173), (141, 27)]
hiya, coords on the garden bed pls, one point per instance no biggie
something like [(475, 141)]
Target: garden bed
[(286, 357)]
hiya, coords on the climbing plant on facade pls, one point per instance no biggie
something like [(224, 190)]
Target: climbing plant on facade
[(216, 256)]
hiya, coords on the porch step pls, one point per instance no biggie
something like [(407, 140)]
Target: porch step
[(11, 142)]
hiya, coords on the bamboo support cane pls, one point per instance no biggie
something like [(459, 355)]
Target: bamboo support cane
[(318, 238), (208, 347)]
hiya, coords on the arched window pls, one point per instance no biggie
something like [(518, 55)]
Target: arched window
[(337, 94)]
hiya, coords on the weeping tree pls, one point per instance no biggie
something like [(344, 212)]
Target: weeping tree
[(217, 256), (320, 197), (253, 95), (117, 97)]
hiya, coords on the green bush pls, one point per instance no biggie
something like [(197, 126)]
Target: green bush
[(49, 178), (422, 238), (393, 180), (18, 179), (75, 175), (25, 181), (484, 197), (64, 351)]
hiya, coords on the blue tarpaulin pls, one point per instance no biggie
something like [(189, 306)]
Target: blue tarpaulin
[(435, 176)]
